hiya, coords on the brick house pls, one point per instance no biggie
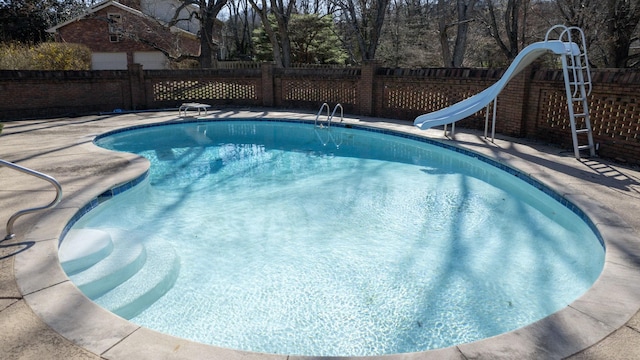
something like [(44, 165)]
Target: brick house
[(125, 32)]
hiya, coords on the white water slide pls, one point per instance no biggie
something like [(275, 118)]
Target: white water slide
[(577, 81), (479, 101)]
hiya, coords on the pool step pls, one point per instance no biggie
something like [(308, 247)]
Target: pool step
[(154, 279), (82, 248), (124, 262)]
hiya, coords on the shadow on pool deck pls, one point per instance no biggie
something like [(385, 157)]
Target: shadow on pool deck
[(42, 315)]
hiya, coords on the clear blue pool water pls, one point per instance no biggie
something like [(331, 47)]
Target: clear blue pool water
[(268, 236)]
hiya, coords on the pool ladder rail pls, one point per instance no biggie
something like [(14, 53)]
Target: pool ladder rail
[(329, 117), (319, 124), (54, 202)]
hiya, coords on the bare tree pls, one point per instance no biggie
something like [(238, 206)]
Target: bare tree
[(280, 38), (394, 34), (510, 31), (577, 12), (207, 12), (580, 13), (318, 7), (155, 34), (621, 23), (364, 19), (239, 28), (610, 27), (406, 38), (464, 10)]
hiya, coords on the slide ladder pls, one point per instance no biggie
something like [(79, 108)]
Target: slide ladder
[(578, 85)]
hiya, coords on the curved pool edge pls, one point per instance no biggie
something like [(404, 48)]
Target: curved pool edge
[(49, 293)]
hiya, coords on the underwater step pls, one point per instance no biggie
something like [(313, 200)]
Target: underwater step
[(155, 278), (125, 261), (83, 248)]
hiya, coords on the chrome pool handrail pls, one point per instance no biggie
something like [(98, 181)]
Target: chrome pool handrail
[(324, 105), (334, 112), (329, 117), (54, 182)]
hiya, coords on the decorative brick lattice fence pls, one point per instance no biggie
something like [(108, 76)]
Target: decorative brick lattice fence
[(532, 105)]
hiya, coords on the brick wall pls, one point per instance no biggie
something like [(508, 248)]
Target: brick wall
[(407, 93), (218, 87), (300, 88), (29, 94), (532, 105), (613, 106), (138, 31)]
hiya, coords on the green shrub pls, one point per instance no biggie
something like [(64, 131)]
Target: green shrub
[(45, 56)]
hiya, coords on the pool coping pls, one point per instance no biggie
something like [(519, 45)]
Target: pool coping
[(55, 300)]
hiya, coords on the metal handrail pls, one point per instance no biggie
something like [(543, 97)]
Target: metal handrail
[(54, 182), (329, 117), (329, 120), (334, 112), (324, 105), (576, 60)]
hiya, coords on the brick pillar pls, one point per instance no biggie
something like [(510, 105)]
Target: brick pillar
[(512, 105), (366, 91), (136, 83), (267, 84)]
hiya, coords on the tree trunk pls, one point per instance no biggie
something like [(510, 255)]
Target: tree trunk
[(206, 45), (366, 25), (464, 17), (283, 14), (511, 27), (447, 59), (378, 22), (209, 10), (264, 18)]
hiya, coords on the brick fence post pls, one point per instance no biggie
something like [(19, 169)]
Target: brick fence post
[(267, 84), (366, 91), (513, 105), (138, 98)]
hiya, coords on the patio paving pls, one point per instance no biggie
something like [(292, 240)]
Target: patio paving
[(43, 315)]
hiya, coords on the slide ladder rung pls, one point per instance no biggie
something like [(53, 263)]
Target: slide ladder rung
[(585, 147), (578, 83), (582, 131)]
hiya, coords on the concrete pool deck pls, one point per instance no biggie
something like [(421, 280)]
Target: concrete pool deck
[(44, 316)]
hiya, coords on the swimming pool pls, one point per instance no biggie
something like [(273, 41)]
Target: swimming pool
[(424, 265)]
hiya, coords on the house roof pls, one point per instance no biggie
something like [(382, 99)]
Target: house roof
[(104, 4)]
